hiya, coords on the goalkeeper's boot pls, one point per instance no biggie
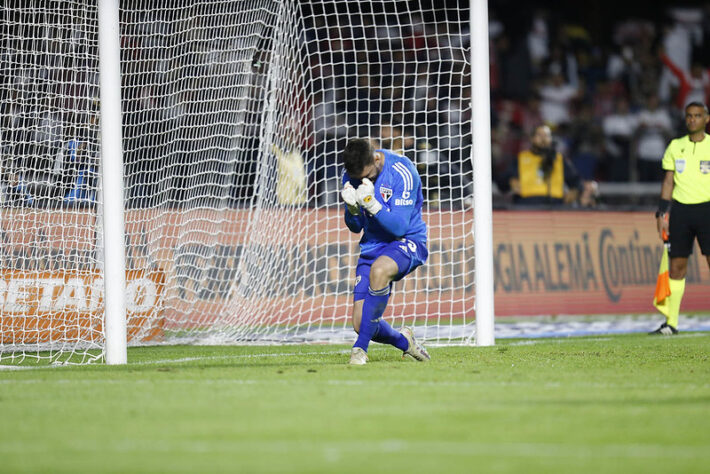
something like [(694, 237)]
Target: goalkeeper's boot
[(665, 330), (415, 349), (358, 356)]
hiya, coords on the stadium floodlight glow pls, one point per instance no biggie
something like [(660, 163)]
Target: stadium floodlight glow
[(223, 223)]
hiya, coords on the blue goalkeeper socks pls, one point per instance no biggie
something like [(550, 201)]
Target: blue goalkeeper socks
[(372, 309), (373, 327), (386, 335)]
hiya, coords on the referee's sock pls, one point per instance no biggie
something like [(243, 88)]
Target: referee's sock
[(372, 308), (677, 288)]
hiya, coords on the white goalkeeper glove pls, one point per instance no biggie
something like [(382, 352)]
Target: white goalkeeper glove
[(366, 197), (349, 195)]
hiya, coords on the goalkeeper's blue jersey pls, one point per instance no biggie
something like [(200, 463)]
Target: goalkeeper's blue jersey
[(398, 188)]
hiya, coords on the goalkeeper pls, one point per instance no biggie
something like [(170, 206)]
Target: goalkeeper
[(383, 198)]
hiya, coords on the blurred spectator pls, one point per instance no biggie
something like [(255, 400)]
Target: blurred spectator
[(654, 130), (75, 170), (633, 61), (538, 40), (678, 37), (604, 100), (444, 185), (681, 32), (623, 67), (48, 135), (590, 194), (618, 130), (531, 115), (15, 190), (557, 96), (291, 180), (81, 189), (542, 176), (564, 62), (692, 87), (507, 137), (585, 142)]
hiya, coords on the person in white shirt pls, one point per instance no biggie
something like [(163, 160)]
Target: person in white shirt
[(618, 131), (556, 98), (653, 132)]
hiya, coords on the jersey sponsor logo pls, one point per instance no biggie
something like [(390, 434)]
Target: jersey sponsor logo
[(680, 165), (404, 202), (386, 193), (358, 279), (705, 166)]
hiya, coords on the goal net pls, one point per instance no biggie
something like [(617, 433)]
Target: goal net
[(234, 116)]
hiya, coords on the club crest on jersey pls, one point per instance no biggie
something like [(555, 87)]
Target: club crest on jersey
[(680, 165), (705, 167), (386, 193)]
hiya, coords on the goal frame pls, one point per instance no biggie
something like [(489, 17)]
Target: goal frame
[(481, 156), (112, 186)]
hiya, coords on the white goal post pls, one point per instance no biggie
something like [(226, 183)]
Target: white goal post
[(111, 188), (482, 177), (171, 175)]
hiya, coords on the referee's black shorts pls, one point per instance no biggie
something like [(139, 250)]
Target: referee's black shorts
[(688, 221)]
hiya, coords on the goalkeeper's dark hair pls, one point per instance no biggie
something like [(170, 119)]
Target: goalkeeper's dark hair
[(357, 154)]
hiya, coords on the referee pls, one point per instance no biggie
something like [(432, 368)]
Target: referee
[(685, 197)]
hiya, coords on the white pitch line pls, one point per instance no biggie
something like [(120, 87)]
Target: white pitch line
[(332, 450), (16, 367)]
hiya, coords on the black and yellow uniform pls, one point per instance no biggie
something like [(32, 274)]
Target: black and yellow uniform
[(541, 186), (690, 211)]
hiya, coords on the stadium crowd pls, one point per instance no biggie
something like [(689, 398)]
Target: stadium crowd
[(612, 101)]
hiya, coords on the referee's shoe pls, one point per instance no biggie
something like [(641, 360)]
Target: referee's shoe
[(665, 330)]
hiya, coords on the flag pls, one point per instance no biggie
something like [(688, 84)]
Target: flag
[(663, 289)]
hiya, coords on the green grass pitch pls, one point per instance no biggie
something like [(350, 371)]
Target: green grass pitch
[(626, 404)]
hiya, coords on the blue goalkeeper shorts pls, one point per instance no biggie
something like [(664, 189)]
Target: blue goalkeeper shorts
[(408, 254)]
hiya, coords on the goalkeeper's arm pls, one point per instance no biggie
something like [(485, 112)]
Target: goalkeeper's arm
[(394, 220)]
